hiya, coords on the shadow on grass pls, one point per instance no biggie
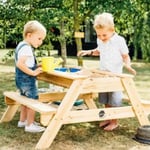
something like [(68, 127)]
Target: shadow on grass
[(9, 62)]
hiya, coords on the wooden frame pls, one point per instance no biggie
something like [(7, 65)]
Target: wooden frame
[(85, 86)]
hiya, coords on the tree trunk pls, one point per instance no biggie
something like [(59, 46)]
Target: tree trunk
[(77, 29), (62, 41), (79, 47)]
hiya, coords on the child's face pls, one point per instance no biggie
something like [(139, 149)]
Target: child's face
[(104, 34), (36, 39)]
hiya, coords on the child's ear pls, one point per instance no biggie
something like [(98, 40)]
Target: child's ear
[(28, 35)]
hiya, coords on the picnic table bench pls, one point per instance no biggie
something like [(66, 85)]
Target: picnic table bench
[(80, 85), (14, 99)]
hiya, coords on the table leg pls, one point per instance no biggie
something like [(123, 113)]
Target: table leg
[(45, 119), (135, 101), (9, 113), (63, 109), (89, 100)]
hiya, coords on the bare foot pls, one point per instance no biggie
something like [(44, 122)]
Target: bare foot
[(104, 123), (111, 126)]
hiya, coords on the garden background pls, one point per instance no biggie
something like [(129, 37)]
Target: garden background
[(132, 19)]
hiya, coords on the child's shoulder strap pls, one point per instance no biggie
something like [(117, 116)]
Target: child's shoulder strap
[(18, 48)]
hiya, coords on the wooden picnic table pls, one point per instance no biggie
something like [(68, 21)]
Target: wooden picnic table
[(84, 84)]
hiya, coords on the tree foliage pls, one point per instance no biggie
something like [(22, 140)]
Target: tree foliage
[(132, 19)]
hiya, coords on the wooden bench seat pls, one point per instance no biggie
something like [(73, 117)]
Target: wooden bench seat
[(14, 100), (143, 101), (13, 97)]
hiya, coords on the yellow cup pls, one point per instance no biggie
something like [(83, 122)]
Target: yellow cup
[(48, 64)]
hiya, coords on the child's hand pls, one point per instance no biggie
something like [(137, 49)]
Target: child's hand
[(39, 65), (83, 53), (131, 70), (38, 71)]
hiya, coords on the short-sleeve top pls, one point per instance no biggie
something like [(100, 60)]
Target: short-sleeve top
[(26, 50), (111, 53)]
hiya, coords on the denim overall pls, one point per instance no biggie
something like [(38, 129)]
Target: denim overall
[(24, 82)]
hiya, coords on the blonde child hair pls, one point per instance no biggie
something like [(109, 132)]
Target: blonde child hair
[(104, 20), (32, 27)]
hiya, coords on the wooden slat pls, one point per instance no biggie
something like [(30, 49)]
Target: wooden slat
[(33, 104), (145, 102), (45, 119), (50, 78), (89, 100), (55, 96), (64, 79), (106, 73), (9, 113), (107, 84), (68, 75), (135, 100), (93, 114), (9, 101), (110, 113)]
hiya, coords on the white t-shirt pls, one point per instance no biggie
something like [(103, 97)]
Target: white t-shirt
[(27, 50), (111, 53)]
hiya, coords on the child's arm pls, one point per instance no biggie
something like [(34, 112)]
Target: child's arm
[(93, 52), (127, 61), (22, 66)]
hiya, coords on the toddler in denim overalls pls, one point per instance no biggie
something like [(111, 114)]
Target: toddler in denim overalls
[(24, 82), (26, 71)]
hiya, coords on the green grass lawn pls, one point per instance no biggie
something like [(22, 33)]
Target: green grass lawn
[(83, 136)]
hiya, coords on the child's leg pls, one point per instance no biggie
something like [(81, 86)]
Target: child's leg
[(32, 126), (109, 124), (30, 116), (23, 113), (23, 117), (112, 125), (115, 100), (106, 122)]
